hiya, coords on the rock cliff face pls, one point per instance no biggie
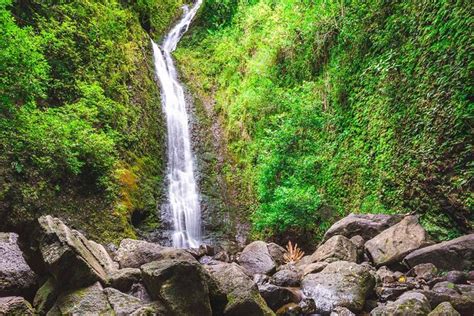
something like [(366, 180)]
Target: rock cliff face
[(81, 277)]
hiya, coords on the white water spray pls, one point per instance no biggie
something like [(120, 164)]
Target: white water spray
[(182, 190)]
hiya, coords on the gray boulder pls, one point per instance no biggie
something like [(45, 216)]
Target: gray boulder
[(365, 225), (276, 252), (124, 305), (256, 258), (394, 243), (314, 267), (341, 283), (123, 279), (336, 248), (287, 277), (135, 253), (444, 309), (459, 295), (180, 284), (86, 301), (16, 277), (456, 254), (242, 293), (409, 303), (15, 305), (425, 271), (70, 257)]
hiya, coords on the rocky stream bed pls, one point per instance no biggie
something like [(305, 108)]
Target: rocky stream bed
[(366, 265)]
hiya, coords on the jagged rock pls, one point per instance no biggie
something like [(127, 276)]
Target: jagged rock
[(242, 292), (341, 283), (45, 296), (86, 301), (255, 258), (409, 303), (425, 271), (314, 267), (394, 243), (456, 254), (341, 311), (276, 296), (135, 253), (336, 248), (15, 305), (460, 296), (180, 284), (123, 279), (70, 257), (365, 225), (276, 252), (124, 305), (287, 277), (456, 277), (444, 309), (16, 277)]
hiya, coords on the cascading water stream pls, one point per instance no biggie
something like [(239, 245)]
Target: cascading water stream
[(182, 188)]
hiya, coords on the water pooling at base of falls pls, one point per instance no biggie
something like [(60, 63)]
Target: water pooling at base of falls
[(182, 188)]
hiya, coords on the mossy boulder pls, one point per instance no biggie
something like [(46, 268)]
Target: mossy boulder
[(409, 303)]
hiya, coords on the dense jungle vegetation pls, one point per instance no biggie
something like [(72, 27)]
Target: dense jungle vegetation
[(331, 107), (327, 107)]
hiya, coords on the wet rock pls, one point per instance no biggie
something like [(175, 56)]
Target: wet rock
[(410, 303), (255, 258), (242, 292), (365, 225), (314, 267), (394, 243), (290, 309), (134, 253), (15, 305), (276, 252), (276, 296), (180, 284), (456, 254), (444, 309), (287, 277), (45, 297), (16, 277), (123, 279), (86, 301), (124, 305), (341, 283), (456, 277), (341, 311), (63, 248), (460, 296), (336, 248), (425, 271)]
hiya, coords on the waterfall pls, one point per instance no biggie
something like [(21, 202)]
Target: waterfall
[(182, 188)]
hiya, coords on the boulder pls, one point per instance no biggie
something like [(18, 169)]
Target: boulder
[(16, 277), (276, 252), (460, 296), (341, 283), (123, 279), (276, 296), (135, 253), (456, 277), (180, 284), (365, 225), (314, 267), (256, 258), (341, 311), (359, 242), (444, 309), (394, 243), (124, 304), (456, 254), (425, 271), (242, 292), (45, 296), (334, 249), (62, 248), (409, 303), (15, 305), (85, 301), (287, 277)]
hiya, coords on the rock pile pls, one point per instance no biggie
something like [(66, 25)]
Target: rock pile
[(367, 265)]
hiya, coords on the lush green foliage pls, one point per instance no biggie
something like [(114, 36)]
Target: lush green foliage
[(81, 131), (334, 107)]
